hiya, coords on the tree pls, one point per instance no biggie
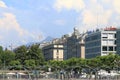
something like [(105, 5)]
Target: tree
[(21, 54), (15, 64), (107, 62), (30, 64), (72, 62), (1, 52), (7, 56), (35, 53), (1, 49)]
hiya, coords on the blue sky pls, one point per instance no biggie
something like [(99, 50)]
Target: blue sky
[(24, 21)]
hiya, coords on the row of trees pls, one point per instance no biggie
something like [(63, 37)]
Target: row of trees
[(32, 57), (108, 63), (29, 57)]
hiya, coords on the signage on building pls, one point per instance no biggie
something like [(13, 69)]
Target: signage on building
[(110, 29)]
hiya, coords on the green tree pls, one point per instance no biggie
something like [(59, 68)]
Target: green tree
[(72, 62), (1, 49), (35, 53), (7, 56), (1, 52), (15, 64), (107, 61), (21, 54), (30, 64), (53, 64)]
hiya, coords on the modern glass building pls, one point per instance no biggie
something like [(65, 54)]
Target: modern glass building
[(118, 41), (100, 42)]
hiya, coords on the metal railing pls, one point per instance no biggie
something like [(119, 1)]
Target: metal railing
[(58, 75)]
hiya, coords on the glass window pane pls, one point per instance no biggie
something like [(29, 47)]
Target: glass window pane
[(104, 35), (111, 36), (110, 48), (104, 42), (104, 48), (111, 42)]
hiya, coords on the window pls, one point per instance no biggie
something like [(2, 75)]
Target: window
[(110, 48), (104, 35), (111, 36), (55, 46), (104, 48), (115, 36), (111, 42), (60, 46), (57, 52), (115, 48), (115, 42), (104, 42)]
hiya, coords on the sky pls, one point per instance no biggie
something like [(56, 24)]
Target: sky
[(25, 21)]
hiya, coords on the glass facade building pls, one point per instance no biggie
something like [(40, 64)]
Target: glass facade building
[(118, 41), (100, 43)]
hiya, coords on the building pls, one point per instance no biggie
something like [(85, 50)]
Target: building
[(65, 47), (118, 41), (100, 42), (75, 45), (53, 52), (86, 45)]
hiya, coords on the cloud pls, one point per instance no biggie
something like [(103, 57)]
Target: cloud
[(11, 32), (8, 22), (96, 15), (2, 4), (116, 4), (1, 37), (106, 1), (76, 5), (10, 28), (92, 13), (91, 20)]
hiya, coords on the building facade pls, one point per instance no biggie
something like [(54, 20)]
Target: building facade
[(86, 45), (100, 42), (118, 41), (66, 47), (75, 45), (53, 52)]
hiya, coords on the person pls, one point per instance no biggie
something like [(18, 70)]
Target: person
[(61, 75)]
